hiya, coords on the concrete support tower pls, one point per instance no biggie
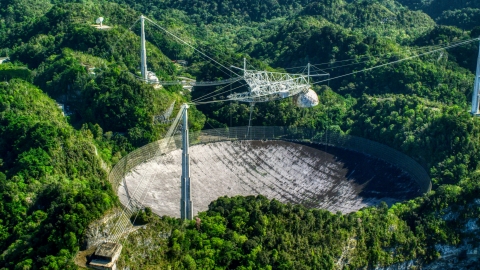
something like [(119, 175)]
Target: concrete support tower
[(475, 97), (186, 206), (143, 50)]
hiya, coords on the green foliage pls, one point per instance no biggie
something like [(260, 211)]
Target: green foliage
[(447, 34), (466, 18), (384, 18), (256, 233), (141, 217), (224, 11), (435, 8), (53, 185), (10, 71), (437, 77), (49, 35)]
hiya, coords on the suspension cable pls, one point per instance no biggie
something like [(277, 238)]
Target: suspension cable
[(228, 90), (189, 45), (399, 61)]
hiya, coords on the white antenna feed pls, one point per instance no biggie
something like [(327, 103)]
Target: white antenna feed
[(99, 20), (99, 24)]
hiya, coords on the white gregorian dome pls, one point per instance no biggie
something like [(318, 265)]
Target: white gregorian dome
[(307, 100)]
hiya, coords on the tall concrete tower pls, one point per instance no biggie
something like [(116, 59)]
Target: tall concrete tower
[(143, 50), (186, 206), (476, 87)]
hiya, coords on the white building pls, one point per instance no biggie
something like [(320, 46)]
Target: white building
[(4, 59)]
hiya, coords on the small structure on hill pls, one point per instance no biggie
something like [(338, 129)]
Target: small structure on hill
[(106, 256), (99, 24), (4, 60)]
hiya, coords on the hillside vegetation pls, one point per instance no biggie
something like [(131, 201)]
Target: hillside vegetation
[(53, 167), (52, 184), (256, 233), (463, 13)]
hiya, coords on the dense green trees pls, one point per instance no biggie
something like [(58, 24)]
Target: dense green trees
[(224, 11), (52, 185), (70, 65), (462, 13), (436, 7), (257, 233), (466, 18), (9, 71)]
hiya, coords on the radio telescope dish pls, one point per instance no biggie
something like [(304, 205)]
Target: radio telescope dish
[(99, 20)]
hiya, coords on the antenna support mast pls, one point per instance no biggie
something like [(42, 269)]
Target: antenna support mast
[(475, 95), (143, 50), (186, 206)]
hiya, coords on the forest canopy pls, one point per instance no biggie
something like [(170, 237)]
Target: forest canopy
[(71, 106)]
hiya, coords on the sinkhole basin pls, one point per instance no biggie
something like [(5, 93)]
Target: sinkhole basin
[(313, 175)]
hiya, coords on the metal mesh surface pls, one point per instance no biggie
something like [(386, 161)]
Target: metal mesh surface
[(329, 138)]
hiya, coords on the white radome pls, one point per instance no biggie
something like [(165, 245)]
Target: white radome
[(307, 100), (99, 20)]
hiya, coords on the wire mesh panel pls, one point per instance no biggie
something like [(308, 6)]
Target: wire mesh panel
[(327, 138)]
